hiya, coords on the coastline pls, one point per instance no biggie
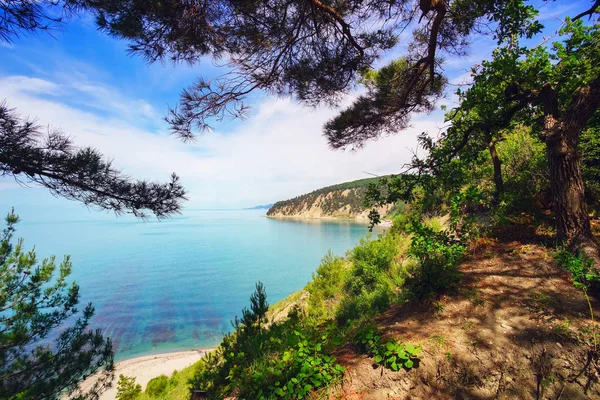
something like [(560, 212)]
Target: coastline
[(361, 221), (145, 368), (315, 220)]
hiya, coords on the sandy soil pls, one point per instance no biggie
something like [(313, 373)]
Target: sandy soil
[(516, 329), (148, 367)]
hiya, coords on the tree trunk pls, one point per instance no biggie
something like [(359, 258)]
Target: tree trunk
[(566, 185), (498, 182), (561, 135)]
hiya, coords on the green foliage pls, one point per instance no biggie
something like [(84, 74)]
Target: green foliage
[(581, 268), (289, 360), (27, 154), (493, 142), (45, 344), (254, 318), (372, 279), (157, 386), (176, 388), (325, 285), (302, 368), (589, 148), (127, 389), (584, 276), (391, 355), (438, 254), (400, 224)]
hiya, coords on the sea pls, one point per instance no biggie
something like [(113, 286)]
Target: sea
[(176, 284)]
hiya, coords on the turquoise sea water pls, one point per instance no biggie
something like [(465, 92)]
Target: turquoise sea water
[(162, 286)]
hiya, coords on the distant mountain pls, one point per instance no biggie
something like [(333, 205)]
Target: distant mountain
[(342, 201), (263, 207)]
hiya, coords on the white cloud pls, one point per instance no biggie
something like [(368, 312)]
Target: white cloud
[(78, 92), (277, 153), (551, 10)]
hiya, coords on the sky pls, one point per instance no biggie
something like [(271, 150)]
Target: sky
[(85, 83)]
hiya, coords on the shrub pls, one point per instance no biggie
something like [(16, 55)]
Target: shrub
[(157, 386), (127, 389), (525, 172), (286, 360), (439, 255), (400, 224), (581, 268), (326, 284), (378, 253), (368, 302), (585, 277), (371, 281), (391, 354)]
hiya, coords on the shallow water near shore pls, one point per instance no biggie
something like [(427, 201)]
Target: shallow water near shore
[(161, 286)]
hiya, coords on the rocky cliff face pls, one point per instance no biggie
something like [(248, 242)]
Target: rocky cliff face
[(327, 203)]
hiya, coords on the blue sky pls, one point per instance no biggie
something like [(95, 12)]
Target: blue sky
[(84, 82)]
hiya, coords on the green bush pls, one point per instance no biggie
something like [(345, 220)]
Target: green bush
[(589, 147), (369, 285), (328, 276), (581, 268), (379, 253), (391, 354), (356, 307), (585, 277), (400, 224), (157, 386), (287, 360), (438, 256), (127, 389)]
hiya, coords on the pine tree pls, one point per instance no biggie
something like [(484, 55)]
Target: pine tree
[(46, 346), (83, 175)]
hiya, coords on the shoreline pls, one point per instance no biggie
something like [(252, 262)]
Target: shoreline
[(361, 221), (144, 368)]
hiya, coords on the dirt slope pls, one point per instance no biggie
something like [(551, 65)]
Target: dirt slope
[(515, 330)]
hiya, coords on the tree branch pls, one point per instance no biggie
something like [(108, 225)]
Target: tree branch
[(585, 102), (345, 27), (589, 12)]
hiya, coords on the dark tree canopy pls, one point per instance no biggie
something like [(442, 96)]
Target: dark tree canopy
[(45, 344), (555, 91), (78, 174), (28, 16), (315, 50), (552, 90)]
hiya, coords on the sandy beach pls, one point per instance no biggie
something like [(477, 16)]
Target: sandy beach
[(148, 367)]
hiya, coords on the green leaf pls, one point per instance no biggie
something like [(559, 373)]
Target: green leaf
[(408, 363), (378, 359)]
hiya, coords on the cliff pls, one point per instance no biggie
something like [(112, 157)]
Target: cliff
[(343, 201)]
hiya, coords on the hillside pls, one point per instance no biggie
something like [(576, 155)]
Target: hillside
[(514, 326), (515, 329), (343, 201)]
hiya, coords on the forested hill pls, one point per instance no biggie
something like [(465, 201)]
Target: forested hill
[(345, 200)]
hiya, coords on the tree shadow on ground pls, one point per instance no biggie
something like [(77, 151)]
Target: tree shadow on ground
[(516, 328)]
